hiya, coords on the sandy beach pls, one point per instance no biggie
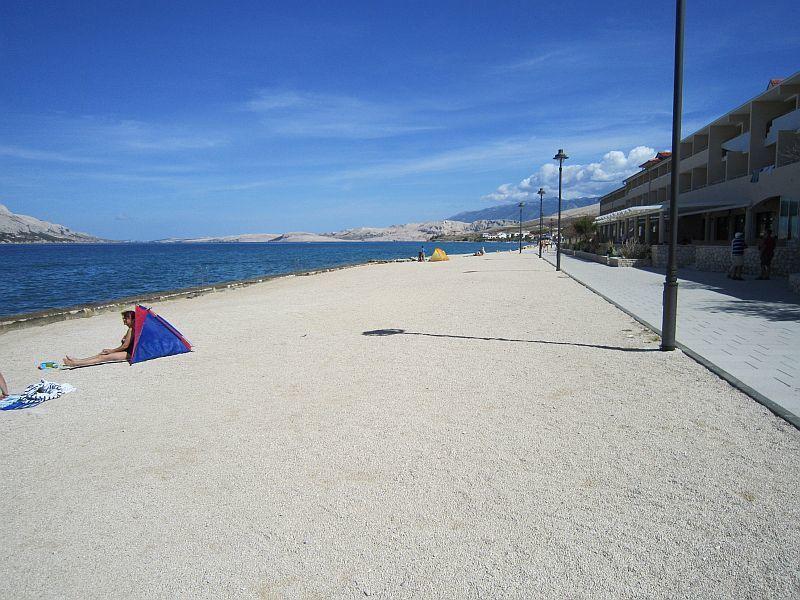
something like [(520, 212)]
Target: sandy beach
[(483, 427)]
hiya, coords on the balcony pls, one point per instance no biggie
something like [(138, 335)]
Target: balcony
[(788, 122), (741, 143), (698, 159)]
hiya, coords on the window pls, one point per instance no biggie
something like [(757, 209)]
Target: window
[(722, 229), (789, 219), (763, 222), (738, 223)]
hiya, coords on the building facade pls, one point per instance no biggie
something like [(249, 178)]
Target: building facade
[(739, 173)]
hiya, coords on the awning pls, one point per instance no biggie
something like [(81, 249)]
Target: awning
[(628, 213), (685, 209)]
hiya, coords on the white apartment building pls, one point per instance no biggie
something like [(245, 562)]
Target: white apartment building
[(739, 173)]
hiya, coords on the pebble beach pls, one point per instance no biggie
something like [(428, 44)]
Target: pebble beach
[(482, 427)]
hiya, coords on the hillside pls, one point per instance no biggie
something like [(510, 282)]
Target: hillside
[(303, 236), (242, 237), (414, 232), (530, 211), (17, 229)]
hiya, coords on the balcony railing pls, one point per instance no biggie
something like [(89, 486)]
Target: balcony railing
[(788, 122)]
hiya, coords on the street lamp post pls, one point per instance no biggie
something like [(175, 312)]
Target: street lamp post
[(560, 157), (669, 318), (541, 227), (521, 205)]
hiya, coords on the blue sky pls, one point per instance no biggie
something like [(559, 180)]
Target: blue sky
[(142, 120)]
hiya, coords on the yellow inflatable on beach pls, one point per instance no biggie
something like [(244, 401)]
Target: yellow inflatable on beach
[(439, 255)]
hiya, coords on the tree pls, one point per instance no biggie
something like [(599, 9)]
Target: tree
[(584, 228)]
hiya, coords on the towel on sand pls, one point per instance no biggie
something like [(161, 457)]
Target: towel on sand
[(36, 393)]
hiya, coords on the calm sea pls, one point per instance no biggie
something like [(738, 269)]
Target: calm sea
[(45, 276)]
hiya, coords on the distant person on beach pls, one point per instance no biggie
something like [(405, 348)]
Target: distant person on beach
[(121, 352), (737, 256), (3, 387), (421, 255), (766, 248)]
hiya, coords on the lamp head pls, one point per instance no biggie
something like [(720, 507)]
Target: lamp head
[(541, 192), (561, 155), (521, 204)]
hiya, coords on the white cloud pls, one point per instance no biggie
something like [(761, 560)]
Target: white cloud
[(556, 57), (138, 135), (306, 114), (44, 155), (483, 157), (592, 179)]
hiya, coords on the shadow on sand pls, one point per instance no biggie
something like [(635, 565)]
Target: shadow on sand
[(386, 332)]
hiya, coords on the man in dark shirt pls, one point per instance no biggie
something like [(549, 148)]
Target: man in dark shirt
[(766, 248)]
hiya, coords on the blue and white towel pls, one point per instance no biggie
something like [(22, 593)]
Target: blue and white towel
[(36, 393)]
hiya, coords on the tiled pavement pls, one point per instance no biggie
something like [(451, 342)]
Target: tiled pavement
[(749, 329)]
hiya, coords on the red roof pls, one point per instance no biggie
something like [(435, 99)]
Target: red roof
[(657, 159), (773, 82)]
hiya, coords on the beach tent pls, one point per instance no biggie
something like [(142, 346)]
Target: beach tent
[(438, 255), (154, 337)]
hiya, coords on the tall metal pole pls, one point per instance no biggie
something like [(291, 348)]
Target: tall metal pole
[(558, 228), (560, 157), (521, 204), (541, 225), (670, 314)]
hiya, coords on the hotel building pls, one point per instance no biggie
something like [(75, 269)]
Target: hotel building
[(740, 172)]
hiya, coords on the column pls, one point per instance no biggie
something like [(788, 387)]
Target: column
[(647, 229), (749, 226), (662, 228), (707, 227)]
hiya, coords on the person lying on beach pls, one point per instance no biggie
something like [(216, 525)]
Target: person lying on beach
[(3, 387), (121, 352)]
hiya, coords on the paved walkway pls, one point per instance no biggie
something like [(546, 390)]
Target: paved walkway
[(750, 329)]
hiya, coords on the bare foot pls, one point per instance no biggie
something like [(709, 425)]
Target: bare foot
[(68, 361)]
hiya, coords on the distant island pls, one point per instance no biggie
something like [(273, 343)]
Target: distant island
[(465, 226)]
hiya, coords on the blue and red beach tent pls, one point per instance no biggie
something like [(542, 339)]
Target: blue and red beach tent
[(154, 337)]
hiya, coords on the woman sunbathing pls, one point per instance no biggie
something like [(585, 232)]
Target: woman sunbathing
[(121, 352)]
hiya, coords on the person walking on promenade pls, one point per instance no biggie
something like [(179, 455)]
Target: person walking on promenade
[(3, 387), (421, 255), (737, 256), (766, 248)]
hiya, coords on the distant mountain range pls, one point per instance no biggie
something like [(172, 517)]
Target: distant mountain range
[(408, 232), (530, 211), (18, 229), (466, 225)]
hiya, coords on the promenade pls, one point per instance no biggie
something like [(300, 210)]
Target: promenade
[(749, 329), (483, 427)]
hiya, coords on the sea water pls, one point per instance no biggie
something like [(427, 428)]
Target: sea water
[(37, 277)]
